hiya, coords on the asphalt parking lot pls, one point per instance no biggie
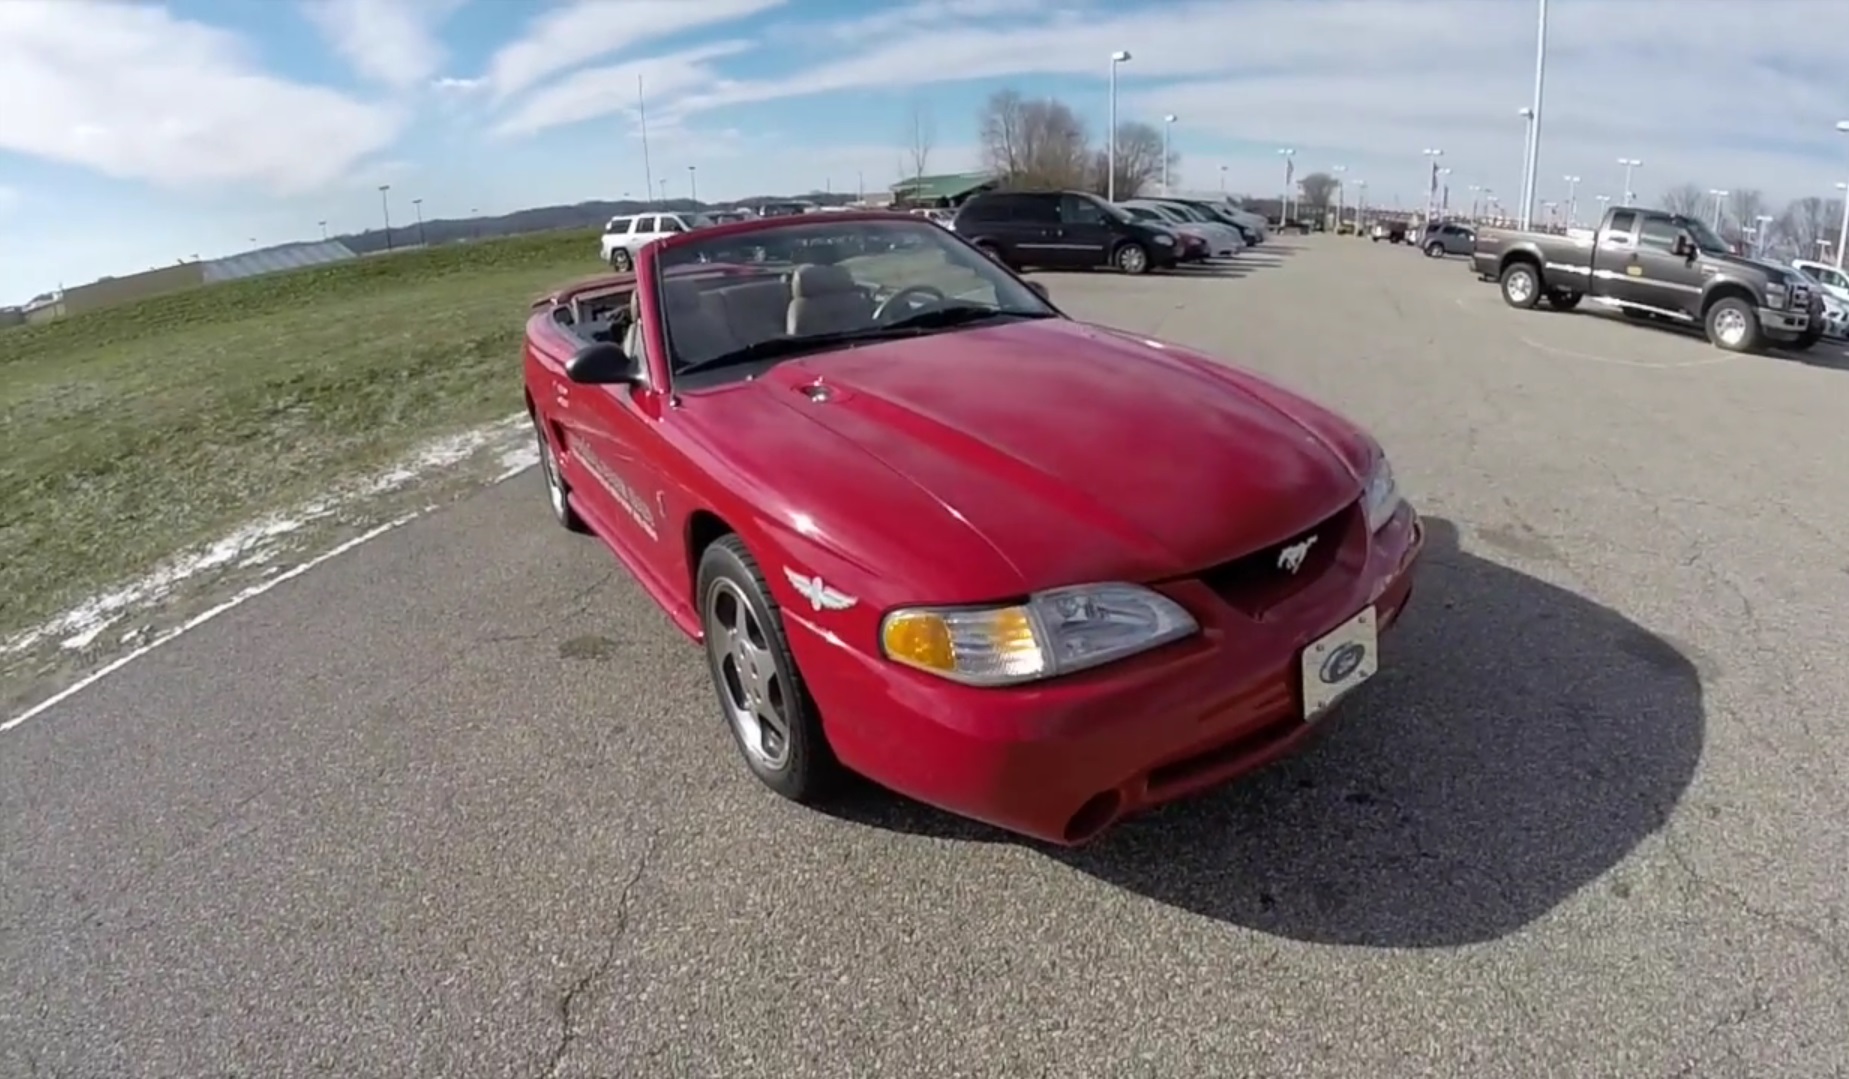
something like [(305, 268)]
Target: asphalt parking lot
[(460, 803)]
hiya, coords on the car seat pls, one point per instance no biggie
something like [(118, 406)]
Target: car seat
[(826, 299)]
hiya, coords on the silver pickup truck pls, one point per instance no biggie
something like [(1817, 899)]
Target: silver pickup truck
[(1655, 265)]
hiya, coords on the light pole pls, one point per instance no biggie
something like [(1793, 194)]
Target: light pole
[(1534, 125), (1842, 235), (385, 203), (1431, 189), (693, 184), (1760, 233), (1222, 179), (1289, 171), (323, 230), (1444, 191), (417, 205), (1168, 123), (1360, 203), (1337, 171), (1474, 190), (1629, 163), (1718, 196), (1121, 56), (1527, 114), (1572, 199)]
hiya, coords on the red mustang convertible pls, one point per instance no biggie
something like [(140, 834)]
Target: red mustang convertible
[(1032, 571)]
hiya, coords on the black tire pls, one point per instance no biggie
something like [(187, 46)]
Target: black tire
[(1376, 239), (1434, 250), (558, 492), (732, 592), (1521, 285), (1562, 300), (1130, 258), (620, 260), (1733, 326)]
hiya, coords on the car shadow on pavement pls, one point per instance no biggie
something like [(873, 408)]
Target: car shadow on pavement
[(1519, 743)]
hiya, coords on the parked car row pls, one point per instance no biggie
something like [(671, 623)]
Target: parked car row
[(1079, 230)]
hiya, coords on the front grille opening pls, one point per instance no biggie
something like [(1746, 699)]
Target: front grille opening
[(1259, 581)]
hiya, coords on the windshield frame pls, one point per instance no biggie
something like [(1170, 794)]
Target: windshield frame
[(677, 258), (1707, 241)]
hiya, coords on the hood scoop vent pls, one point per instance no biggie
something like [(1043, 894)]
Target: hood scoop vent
[(821, 393)]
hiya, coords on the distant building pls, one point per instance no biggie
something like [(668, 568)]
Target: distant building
[(941, 192)]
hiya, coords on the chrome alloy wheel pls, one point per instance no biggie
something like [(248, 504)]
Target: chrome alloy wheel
[(753, 688)]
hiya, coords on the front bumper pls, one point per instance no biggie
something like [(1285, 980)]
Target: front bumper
[(1061, 761), (1776, 320)]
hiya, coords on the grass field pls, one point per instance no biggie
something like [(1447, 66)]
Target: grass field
[(132, 433)]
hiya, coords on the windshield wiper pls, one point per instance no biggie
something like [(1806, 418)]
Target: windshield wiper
[(945, 316)]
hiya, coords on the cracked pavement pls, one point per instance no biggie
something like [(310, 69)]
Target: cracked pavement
[(460, 803)]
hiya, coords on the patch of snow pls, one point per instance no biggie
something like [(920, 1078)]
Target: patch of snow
[(260, 541)]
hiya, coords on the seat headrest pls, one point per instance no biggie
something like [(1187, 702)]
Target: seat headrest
[(817, 280), (683, 299)]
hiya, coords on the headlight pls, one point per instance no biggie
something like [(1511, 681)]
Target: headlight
[(1055, 632), (1777, 296), (1165, 241), (1382, 499)]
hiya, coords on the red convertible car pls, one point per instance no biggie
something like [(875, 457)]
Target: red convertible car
[(1036, 572)]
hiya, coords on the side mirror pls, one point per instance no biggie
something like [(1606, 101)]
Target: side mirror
[(1684, 247), (1040, 290), (603, 364)]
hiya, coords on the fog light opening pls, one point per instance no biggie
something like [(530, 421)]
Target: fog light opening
[(1094, 816)]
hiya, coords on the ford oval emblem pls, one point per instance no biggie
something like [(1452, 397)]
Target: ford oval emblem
[(1342, 663)]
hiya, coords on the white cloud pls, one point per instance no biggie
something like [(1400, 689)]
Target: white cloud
[(392, 42), (130, 91), (9, 198), (584, 30), (1715, 91), (600, 91)]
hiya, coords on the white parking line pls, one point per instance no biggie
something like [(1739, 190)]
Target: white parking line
[(513, 465), (1706, 361)]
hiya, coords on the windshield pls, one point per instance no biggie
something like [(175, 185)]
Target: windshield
[(733, 304), (1705, 238), (1143, 213), (1186, 211), (1166, 213), (1114, 211)]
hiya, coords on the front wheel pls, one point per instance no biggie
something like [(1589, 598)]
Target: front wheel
[(1521, 285), (1434, 250), (1131, 259), (1733, 325), (761, 693), (558, 492)]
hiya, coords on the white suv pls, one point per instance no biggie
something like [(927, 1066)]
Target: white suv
[(624, 236)]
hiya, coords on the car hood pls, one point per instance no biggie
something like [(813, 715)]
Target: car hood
[(1070, 452)]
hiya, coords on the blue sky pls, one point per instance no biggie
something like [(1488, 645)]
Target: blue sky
[(159, 131)]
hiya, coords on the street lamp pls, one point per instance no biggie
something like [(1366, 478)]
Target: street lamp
[(1534, 107), (323, 230), (1572, 199), (1718, 196), (1337, 171), (1842, 234), (1168, 122), (385, 203), (1431, 189), (1760, 234), (1284, 203), (693, 185), (1527, 114), (1444, 191), (1121, 56), (1629, 163), (1222, 179), (1360, 203), (417, 205)]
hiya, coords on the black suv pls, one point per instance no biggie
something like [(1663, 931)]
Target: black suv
[(1062, 230)]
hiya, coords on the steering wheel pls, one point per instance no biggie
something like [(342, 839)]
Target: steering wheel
[(889, 305)]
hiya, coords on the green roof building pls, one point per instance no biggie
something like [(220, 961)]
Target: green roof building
[(944, 191)]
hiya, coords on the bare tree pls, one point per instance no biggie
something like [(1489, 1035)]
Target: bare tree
[(1685, 199), (1744, 205), (1139, 161), (1318, 190), (921, 139), (1804, 222), (1034, 143)]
